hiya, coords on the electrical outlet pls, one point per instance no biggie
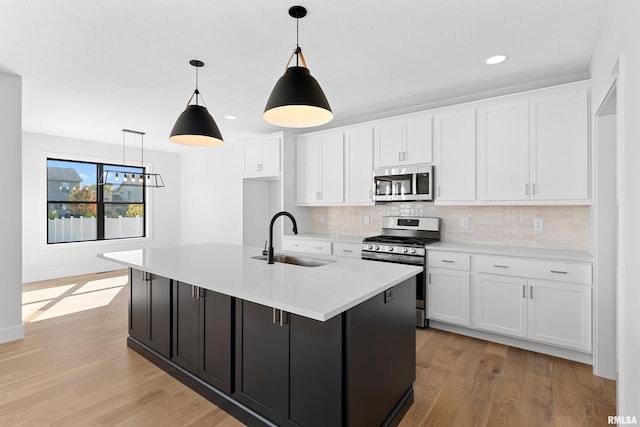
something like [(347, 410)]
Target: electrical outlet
[(538, 225), (322, 219), (464, 222), (366, 219)]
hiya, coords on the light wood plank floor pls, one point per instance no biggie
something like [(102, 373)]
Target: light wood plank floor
[(74, 369)]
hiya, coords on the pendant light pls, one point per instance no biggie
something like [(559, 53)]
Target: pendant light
[(195, 126), (150, 180), (297, 100)]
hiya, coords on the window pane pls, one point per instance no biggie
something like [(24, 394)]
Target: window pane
[(123, 184), (71, 181), (71, 222), (123, 220)]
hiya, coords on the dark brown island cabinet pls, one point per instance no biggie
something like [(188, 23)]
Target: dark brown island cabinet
[(269, 367)]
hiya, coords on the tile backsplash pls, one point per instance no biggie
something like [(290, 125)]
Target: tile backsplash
[(564, 227)]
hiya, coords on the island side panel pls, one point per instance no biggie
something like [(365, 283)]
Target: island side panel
[(380, 355)]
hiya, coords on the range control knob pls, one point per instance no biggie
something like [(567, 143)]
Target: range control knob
[(377, 247), (390, 248), (413, 251), (370, 247), (405, 250)]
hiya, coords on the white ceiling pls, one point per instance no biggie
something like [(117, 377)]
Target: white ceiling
[(93, 67)]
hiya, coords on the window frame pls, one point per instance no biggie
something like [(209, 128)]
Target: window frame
[(99, 202)]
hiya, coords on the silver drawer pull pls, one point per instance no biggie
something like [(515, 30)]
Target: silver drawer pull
[(347, 250), (500, 266), (448, 260), (559, 272), (317, 247)]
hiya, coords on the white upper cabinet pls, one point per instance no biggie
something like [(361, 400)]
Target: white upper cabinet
[(358, 166), (262, 157), (320, 169), (403, 141), (559, 147), (503, 151), (534, 149), (455, 156)]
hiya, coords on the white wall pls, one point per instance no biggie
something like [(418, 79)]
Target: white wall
[(620, 36), (211, 194), (10, 137), (42, 261)]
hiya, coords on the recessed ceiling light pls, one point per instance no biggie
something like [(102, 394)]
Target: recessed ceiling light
[(230, 117), (497, 59)]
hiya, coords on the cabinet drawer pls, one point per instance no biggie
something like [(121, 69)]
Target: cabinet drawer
[(451, 260), (351, 250), (307, 246), (538, 269)]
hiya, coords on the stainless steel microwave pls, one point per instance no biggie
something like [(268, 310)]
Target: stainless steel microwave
[(403, 184)]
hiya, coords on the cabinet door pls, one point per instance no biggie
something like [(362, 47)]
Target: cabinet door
[(358, 161), (455, 155), (388, 144), (262, 361), (503, 152), (215, 339), (138, 302), (185, 327), (271, 157), (332, 173), (560, 147), (252, 158), (560, 314), (308, 170), (418, 142), (160, 315), (448, 296), (500, 304)]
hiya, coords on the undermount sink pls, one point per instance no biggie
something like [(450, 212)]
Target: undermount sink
[(295, 260)]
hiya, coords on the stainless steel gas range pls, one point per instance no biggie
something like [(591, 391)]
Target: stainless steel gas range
[(404, 240)]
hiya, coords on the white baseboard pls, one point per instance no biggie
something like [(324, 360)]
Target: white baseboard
[(12, 333), (564, 353), (77, 271)]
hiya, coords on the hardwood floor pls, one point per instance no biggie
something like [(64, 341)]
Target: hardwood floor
[(74, 369)]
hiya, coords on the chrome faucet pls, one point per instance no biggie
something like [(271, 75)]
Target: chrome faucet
[(273, 220)]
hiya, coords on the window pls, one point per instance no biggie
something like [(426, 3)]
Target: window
[(79, 208)]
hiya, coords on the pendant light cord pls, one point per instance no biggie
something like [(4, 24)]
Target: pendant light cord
[(123, 135), (298, 50)]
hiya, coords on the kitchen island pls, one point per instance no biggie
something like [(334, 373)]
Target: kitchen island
[(277, 344)]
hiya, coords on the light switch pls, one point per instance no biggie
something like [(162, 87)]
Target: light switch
[(464, 222), (366, 219)]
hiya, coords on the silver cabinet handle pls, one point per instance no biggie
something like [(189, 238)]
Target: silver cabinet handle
[(524, 291), (321, 195), (274, 315), (145, 276), (404, 156), (526, 189), (370, 194), (500, 266), (533, 188), (347, 250), (317, 247), (438, 191), (531, 292), (559, 272), (448, 260), (399, 156), (283, 320), (429, 278)]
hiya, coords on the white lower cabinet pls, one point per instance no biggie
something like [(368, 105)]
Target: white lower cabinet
[(500, 304), (448, 287), (549, 311), (308, 246)]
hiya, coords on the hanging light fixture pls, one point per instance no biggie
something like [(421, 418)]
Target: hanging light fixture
[(195, 126), (297, 100), (151, 180)]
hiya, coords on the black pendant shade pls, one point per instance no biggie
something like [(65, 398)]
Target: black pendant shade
[(297, 100), (195, 126)]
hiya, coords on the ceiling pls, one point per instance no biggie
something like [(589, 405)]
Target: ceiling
[(91, 68)]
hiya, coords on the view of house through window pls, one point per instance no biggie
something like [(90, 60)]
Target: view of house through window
[(82, 207)]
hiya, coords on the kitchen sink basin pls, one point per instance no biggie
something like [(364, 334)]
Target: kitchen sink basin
[(295, 260)]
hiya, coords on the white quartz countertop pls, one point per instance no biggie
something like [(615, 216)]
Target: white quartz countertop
[(318, 293), (326, 237)]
